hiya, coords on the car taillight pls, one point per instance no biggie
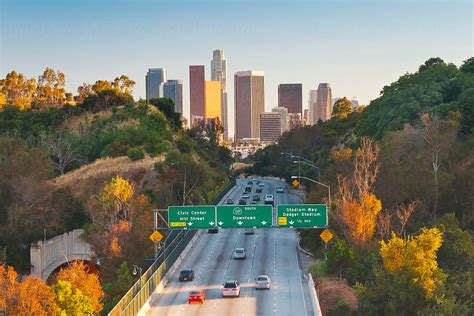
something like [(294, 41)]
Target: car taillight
[(256, 283), (267, 283)]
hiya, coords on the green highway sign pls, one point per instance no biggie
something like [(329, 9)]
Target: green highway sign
[(244, 216), (302, 215), (192, 216)]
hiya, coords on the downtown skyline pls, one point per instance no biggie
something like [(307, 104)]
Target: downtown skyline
[(357, 59)]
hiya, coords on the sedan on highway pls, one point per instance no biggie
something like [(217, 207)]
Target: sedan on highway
[(239, 253), (258, 190), (280, 190), (231, 288), (262, 282), (242, 202), (230, 201), (245, 195), (268, 199), (196, 296), (186, 275)]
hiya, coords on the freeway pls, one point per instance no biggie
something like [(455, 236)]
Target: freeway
[(270, 251)]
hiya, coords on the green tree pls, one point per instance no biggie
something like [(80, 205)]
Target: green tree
[(340, 257), (432, 62), (71, 301), (342, 108)]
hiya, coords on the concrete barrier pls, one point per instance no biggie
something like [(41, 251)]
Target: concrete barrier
[(314, 296)]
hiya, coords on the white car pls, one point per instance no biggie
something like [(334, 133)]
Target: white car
[(231, 288), (268, 199), (280, 190), (262, 282), (245, 195), (261, 184), (239, 253)]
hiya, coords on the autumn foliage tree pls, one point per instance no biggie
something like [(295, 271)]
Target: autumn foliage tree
[(359, 206), (30, 296), (416, 256), (77, 274)]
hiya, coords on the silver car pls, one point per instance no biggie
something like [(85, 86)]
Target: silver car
[(231, 288), (239, 253), (262, 282)]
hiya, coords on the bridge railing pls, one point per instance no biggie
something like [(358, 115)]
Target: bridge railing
[(141, 291)]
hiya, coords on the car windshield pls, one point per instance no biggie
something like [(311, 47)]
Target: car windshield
[(239, 251), (194, 293), (262, 279), (230, 286), (186, 272)]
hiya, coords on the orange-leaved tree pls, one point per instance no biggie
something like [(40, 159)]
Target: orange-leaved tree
[(31, 296), (415, 256), (359, 206), (77, 274)]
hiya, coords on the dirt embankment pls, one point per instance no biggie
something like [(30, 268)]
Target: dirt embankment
[(332, 291)]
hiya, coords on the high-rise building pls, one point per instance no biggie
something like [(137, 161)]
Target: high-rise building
[(212, 100), (290, 96), (196, 94), (219, 73), (249, 99), (173, 89), (305, 117), (324, 104), (270, 126), (294, 120), (284, 117), (313, 96), (153, 79)]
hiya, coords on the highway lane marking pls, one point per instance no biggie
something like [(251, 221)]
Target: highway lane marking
[(299, 268)]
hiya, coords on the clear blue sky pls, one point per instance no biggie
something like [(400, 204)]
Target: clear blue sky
[(356, 46)]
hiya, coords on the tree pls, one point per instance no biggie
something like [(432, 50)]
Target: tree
[(112, 205), (62, 148), (415, 256), (440, 136), (342, 108), (359, 207), (101, 85), (71, 301), (76, 273), (432, 62), (3, 100), (31, 296), (124, 84), (51, 87), (84, 90), (340, 257), (18, 89)]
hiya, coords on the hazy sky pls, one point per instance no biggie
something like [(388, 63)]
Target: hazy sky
[(356, 46)]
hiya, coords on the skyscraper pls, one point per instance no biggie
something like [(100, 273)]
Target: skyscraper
[(284, 117), (219, 73), (270, 126), (324, 104), (212, 100), (313, 96), (196, 94), (173, 89), (153, 79), (249, 99), (290, 96)]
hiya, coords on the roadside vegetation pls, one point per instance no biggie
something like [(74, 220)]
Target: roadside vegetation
[(401, 171), (99, 161)]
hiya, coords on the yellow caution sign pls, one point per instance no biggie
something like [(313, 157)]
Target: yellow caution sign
[(326, 235), (283, 221), (177, 224), (295, 183), (156, 236)]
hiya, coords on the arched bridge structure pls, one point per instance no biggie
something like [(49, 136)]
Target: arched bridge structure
[(46, 256)]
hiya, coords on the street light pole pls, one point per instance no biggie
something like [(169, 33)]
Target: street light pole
[(135, 268), (309, 164), (317, 182)]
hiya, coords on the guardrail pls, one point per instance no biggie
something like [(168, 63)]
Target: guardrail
[(141, 291)]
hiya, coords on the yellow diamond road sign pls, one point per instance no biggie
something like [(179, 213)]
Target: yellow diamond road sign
[(156, 236), (326, 235), (295, 183)]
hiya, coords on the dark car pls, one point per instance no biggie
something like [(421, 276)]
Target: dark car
[(258, 190), (213, 230), (250, 183), (230, 201), (186, 275), (256, 197), (248, 189), (242, 202)]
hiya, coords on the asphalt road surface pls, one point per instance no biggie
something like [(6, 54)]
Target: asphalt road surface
[(270, 251)]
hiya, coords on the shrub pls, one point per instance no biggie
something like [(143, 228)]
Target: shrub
[(135, 153), (319, 268)]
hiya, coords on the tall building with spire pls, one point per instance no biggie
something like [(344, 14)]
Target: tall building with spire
[(249, 99), (219, 73)]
